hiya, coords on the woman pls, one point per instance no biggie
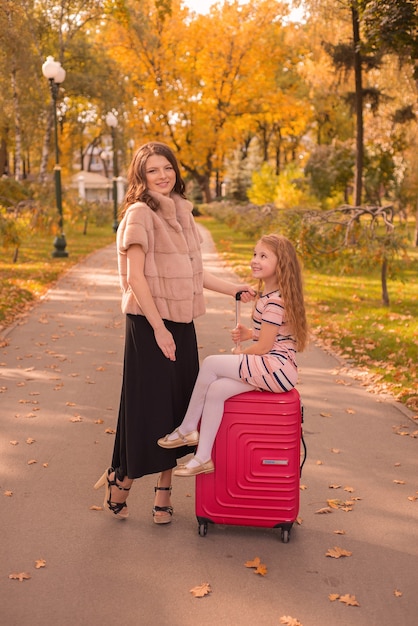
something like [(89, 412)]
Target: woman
[(268, 363), (162, 280)]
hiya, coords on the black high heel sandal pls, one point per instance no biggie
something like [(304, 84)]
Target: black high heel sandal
[(167, 510), (117, 508)]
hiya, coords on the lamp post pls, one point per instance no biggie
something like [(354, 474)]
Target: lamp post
[(55, 73), (112, 122)]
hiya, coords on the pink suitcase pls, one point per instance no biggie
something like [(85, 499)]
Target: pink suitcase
[(257, 457)]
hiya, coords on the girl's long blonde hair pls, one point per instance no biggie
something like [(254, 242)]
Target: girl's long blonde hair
[(289, 279)]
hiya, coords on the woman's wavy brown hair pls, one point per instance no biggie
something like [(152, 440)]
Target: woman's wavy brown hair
[(137, 187), (289, 279)]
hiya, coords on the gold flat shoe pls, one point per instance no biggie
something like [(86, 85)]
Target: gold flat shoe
[(202, 468), (191, 439)]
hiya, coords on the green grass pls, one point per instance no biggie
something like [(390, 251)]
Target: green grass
[(346, 316), (24, 282)]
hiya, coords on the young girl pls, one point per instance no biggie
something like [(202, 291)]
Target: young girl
[(268, 363)]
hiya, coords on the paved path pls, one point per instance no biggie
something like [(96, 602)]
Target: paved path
[(60, 383)]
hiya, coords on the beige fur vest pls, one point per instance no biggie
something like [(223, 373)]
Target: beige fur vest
[(173, 260)]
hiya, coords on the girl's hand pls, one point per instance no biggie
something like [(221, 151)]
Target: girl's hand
[(236, 350), (165, 342), (241, 333)]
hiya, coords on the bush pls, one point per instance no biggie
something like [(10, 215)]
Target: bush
[(250, 219)]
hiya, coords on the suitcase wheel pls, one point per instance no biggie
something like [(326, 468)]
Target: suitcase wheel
[(285, 535), (203, 529)]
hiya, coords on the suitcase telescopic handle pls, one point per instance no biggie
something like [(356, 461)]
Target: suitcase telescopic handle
[(238, 311)]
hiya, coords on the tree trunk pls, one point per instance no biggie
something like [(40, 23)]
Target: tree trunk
[(385, 294), (205, 187), (358, 178), (3, 157), (416, 227), (18, 134)]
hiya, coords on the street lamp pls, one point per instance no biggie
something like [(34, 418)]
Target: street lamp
[(112, 122), (55, 73)]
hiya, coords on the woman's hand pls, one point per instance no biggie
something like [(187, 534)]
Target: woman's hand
[(165, 342), (247, 293)]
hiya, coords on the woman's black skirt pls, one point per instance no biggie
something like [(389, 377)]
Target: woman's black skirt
[(154, 398)]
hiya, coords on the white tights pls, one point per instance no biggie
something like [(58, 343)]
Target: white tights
[(217, 381)]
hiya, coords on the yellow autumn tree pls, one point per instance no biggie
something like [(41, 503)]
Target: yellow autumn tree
[(200, 82)]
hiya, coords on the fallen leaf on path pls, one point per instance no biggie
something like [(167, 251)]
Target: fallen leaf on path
[(303, 487), (201, 590), (326, 509), (99, 421), (349, 600), (340, 504), (95, 507), (40, 563), (8, 493), (261, 570), (335, 504), (254, 563), (77, 418), (399, 482), (45, 464), (350, 411), (349, 489), (14, 443), (334, 486), (412, 498), (398, 430), (339, 532), (299, 521), (32, 461), (259, 567), (290, 621), (70, 404), (337, 552), (110, 431), (335, 450), (21, 576), (29, 440), (397, 593), (333, 596), (319, 462), (323, 414)]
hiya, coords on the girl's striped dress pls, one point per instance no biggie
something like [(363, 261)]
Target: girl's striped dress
[(277, 370)]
